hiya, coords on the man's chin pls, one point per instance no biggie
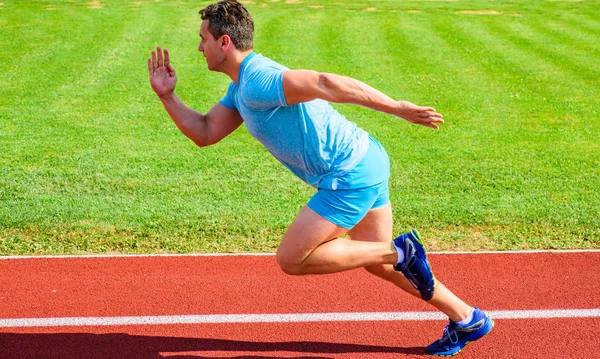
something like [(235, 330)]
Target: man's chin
[(212, 68)]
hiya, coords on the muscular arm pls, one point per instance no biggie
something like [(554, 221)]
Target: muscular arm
[(204, 130), (306, 85)]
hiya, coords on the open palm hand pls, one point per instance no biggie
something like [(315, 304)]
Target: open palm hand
[(162, 75)]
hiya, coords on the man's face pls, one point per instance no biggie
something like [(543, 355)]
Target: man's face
[(211, 48)]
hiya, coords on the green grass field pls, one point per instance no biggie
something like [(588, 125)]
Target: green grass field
[(91, 163)]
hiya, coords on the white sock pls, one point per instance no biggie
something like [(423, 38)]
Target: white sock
[(468, 319), (400, 252)]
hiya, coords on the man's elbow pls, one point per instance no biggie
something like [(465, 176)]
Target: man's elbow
[(200, 140), (325, 81), (204, 142), (329, 86), (200, 144)]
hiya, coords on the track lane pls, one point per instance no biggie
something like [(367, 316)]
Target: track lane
[(137, 286), (548, 338), (132, 286)]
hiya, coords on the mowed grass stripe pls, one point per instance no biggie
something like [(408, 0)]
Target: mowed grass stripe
[(509, 71), (73, 48), (551, 88), (572, 39), (521, 68), (49, 118), (392, 66), (584, 17), (334, 46), (557, 60)]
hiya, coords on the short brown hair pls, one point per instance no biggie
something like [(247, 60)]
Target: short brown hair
[(229, 17)]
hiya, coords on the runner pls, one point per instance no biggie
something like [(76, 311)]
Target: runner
[(288, 111)]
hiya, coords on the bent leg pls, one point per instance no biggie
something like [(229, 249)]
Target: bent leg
[(312, 245), (377, 227)]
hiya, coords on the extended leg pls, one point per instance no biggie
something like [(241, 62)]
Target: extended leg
[(377, 227)]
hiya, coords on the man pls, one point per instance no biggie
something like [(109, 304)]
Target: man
[(288, 111)]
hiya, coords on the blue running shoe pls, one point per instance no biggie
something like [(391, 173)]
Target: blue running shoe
[(457, 336), (415, 266)]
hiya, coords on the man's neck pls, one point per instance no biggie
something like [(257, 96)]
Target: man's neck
[(234, 63)]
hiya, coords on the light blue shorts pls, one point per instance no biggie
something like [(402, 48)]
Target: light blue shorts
[(346, 206)]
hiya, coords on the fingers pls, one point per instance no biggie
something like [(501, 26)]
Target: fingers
[(159, 57), (154, 63), (160, 60), (435, 114), (424, 116), (430, 118), (434, 120), (167, 58), (171, 70), (432, 124), (429, 115), (430, 111)]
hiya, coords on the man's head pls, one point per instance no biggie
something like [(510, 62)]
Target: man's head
[(229, 17)]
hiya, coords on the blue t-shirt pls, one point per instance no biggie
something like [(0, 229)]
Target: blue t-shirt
[(312, 139)]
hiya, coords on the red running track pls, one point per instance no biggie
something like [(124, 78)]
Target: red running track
[(185, 285)]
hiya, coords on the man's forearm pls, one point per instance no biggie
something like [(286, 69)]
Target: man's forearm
[(348, 90), (189, 121), (342, 89)]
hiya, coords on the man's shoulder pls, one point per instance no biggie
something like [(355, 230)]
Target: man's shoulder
[(261, 84), (262, 64), (232, 88)]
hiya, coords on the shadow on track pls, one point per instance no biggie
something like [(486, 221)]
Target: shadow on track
[(121, 345)]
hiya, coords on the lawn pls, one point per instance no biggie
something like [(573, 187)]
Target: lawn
[(91, 163)]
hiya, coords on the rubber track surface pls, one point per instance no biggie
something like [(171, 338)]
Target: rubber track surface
[(178, 285)]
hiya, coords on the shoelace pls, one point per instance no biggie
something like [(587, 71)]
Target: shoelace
[(450, 334)]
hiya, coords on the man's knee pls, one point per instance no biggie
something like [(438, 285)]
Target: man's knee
[(289, 264)]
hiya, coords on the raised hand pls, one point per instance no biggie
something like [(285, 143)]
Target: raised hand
[(162, 75), (424, 116)]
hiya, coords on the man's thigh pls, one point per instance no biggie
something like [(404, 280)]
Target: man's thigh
[(329, 214), (308, 231), (376, 226)]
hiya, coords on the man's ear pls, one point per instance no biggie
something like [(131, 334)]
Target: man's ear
[(225, 42)]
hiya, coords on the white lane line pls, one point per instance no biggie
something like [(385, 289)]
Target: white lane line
[(285, 318), (76, 256)]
